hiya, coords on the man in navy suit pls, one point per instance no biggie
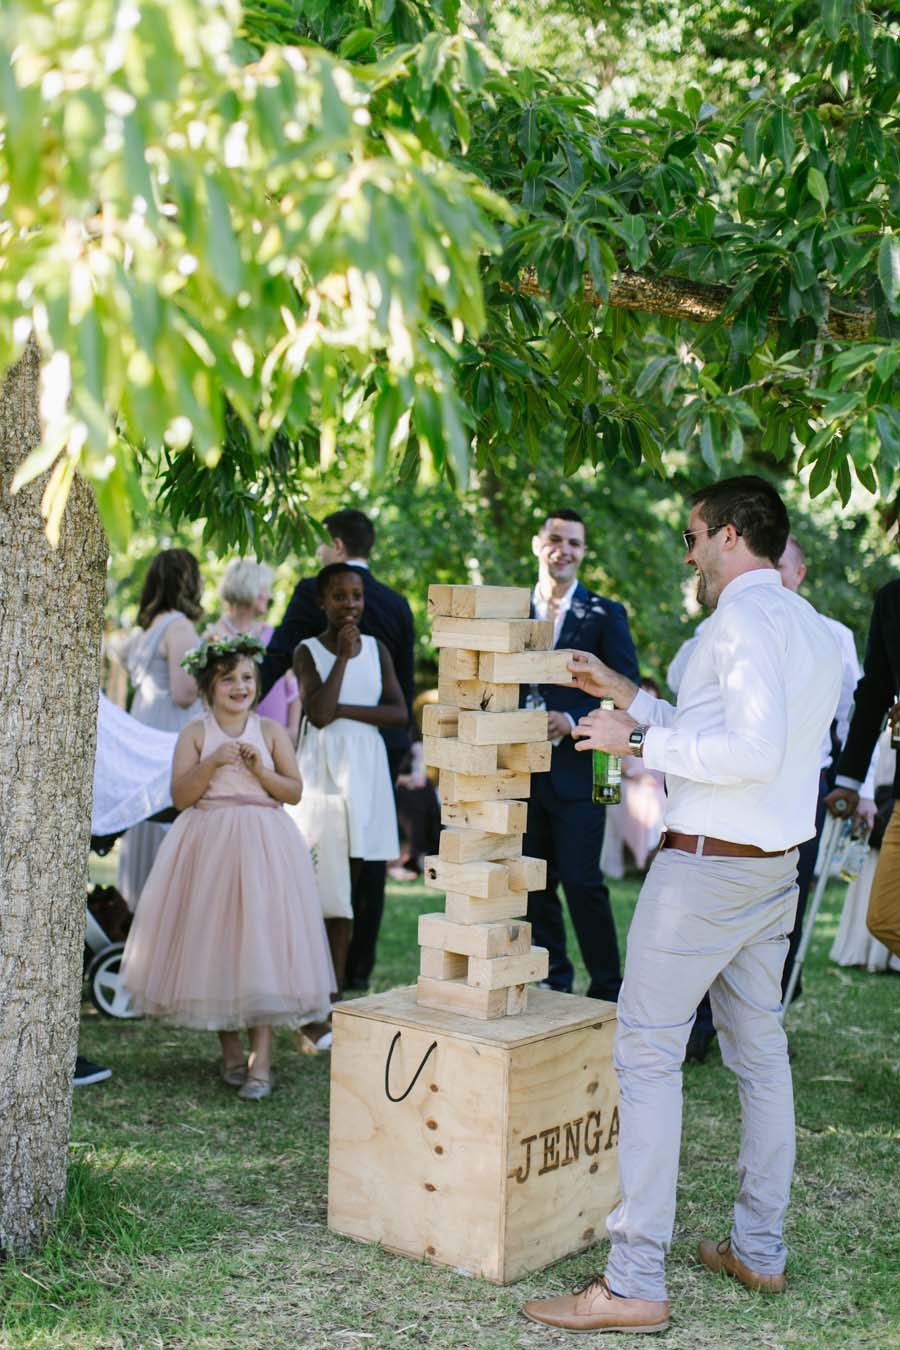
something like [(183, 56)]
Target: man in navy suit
[(564, 825), (388, 617)]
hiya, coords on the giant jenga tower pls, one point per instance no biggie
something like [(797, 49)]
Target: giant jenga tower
[(461, 1134), (476, 957)]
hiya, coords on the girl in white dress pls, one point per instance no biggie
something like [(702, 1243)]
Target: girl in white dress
[(350, 691)]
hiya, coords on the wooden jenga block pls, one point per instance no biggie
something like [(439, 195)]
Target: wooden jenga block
[(435, 963), (479, 695), (484, 940), (446, 752), (455, 663), (526, 874), (516, 1000), (457, 996), (500, 972), (532, 757), (471, 787), (440, 719), (465, 845), (501, 817), (479, 602), (503, 728), (485, 879), (474, 909), (527, 667), (493, 635)]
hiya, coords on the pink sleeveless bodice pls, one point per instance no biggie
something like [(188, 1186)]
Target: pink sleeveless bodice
[(234, 783)]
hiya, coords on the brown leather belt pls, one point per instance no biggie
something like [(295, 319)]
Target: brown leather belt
[(705, 845)]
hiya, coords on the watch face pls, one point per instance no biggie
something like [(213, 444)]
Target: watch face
[(637, 736)]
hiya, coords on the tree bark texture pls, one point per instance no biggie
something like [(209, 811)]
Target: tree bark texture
[(51, 616), (695, 301)]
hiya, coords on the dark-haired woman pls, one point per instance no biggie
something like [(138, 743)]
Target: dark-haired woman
[(165, 695)]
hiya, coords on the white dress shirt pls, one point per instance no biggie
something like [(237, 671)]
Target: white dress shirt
[(742, 750), (541, 606)]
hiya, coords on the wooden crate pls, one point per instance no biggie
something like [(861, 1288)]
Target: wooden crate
[(501, 1159)]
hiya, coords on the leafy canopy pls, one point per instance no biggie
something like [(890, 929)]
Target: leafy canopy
[(234, 251), (223, 257)]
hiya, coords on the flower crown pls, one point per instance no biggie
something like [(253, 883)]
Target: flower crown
[(211, 649)]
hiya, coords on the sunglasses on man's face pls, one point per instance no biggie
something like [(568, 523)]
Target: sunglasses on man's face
[(689, 536)]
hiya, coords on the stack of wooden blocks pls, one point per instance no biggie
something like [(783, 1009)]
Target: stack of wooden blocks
[(477, 958)]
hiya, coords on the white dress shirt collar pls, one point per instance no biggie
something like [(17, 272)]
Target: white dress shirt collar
[(542, 607)]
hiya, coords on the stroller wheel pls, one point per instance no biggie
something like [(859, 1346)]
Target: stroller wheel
[(108, 994)]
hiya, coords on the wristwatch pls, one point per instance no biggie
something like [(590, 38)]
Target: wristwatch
[(636, 740)]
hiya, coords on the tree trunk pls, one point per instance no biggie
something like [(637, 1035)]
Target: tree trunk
[(696, 301), (51, 616)]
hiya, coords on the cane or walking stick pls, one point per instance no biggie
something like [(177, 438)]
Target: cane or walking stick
[(831, 835)]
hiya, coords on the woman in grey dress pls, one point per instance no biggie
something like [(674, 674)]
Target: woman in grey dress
[(165, 695)]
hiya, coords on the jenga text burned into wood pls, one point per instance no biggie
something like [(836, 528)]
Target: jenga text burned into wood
[(477, 958)]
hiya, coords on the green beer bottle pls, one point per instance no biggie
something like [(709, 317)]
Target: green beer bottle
[(607, 772)]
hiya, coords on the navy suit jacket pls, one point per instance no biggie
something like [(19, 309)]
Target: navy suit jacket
[(877, 690), (592, 624), (387, 616)]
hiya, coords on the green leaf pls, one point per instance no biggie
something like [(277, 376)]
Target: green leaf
[(887, 363), (356, 42), (649, 375), (707, 448), (820, 478), (832, 12), (783, 136), (750, 140), (889, 269), (224, 254), (693, 101), (817, 186)]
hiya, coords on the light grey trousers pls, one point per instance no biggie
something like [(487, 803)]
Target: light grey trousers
[(703, 923)]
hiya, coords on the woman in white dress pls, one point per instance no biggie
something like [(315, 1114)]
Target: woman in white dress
[(350, 691), (854, 945)]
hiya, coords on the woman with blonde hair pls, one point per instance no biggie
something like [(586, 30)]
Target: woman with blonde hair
[(246, 593)]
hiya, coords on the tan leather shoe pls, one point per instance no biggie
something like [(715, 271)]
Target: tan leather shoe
[(595, 1307), (719, 1257)]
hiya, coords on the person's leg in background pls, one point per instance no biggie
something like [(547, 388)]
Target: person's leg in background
[(577, 829), (544, 909), (807, 853), (883, 917), (368, 908), (702, 1033)]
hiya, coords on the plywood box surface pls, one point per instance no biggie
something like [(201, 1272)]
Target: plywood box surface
[(503, 1156)]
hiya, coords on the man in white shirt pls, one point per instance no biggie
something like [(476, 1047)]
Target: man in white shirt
[(741, 755)]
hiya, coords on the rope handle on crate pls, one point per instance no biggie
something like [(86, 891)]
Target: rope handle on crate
[(387, 1070)]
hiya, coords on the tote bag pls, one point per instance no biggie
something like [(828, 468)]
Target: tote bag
[(322, 816)]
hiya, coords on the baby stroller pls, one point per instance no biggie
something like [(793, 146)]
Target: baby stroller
[(132, 772)]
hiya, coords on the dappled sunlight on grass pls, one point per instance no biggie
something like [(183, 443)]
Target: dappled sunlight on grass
[(198, 1220)]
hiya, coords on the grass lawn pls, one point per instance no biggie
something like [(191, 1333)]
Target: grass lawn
[(197, 1220)]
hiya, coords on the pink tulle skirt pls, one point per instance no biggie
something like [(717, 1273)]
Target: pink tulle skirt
[(228, 932)]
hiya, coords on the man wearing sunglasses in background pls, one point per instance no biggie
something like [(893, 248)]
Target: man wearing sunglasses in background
[(741, 754)]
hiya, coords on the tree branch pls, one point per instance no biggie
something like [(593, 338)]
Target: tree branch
[(696, 301)]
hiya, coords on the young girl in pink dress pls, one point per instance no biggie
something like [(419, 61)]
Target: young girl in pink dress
[(229, 934)]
